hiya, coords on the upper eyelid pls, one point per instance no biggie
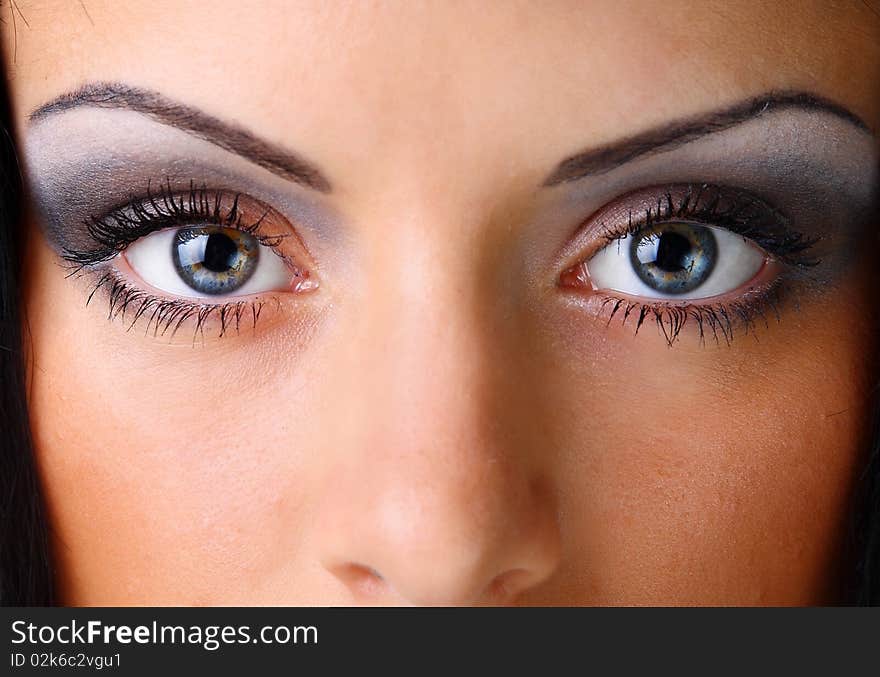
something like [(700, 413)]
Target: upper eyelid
[(626, 213), (124, 224), (716, 205)]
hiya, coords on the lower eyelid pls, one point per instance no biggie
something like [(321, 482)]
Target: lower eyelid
[(179, 319), (706, 323), (716, 319)]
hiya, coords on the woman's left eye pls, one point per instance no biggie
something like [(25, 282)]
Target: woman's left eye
[(208, 261), (676, 260)]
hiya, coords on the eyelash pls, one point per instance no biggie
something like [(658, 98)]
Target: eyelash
[(716, 321), (742, 214), (726, 208), (114, 232), (734, 210), (165, 313)]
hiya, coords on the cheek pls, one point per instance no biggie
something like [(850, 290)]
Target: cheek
[(194, 474), (165, 479), (709, 475)]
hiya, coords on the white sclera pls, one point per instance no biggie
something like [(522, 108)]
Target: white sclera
[(150, 258), (738, 262)]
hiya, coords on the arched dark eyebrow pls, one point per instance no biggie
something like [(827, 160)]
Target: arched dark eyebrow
[(674, 134), (226, 135)]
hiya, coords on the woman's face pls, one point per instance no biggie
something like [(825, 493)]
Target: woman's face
[(448, 304)]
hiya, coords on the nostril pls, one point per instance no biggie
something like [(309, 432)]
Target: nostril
[(506, 586), (364, 581)]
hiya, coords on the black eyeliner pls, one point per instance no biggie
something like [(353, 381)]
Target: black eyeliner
[(734, 209), (164, 208)]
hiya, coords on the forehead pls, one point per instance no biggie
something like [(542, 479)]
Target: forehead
[(447, 82)]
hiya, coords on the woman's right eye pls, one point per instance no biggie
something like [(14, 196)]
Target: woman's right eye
[(209, 256), (209, 261)]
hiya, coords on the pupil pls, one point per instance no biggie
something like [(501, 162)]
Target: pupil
[(220, 252), (673, 252), (674, 258)]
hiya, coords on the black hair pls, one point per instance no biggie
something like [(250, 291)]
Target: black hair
[(866, 525), (25, 565), (26, 572)]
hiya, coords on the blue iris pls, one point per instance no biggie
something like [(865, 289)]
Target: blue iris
[(675, 257), (214, 260)]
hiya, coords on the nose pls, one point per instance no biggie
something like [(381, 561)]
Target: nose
[(446, 547), (437, 495), (436, 524)]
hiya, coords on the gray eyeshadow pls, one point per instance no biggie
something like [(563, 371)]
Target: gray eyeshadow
[(819, 170), (85, 162)]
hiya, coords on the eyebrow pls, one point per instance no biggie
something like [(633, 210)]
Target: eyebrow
[(290, 166), (674, 134), (226, 135)]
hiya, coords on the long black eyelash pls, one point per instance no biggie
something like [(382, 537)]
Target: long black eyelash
[(733, 210), (717, 323), (165, 316), (162, 209), (114, 232)]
